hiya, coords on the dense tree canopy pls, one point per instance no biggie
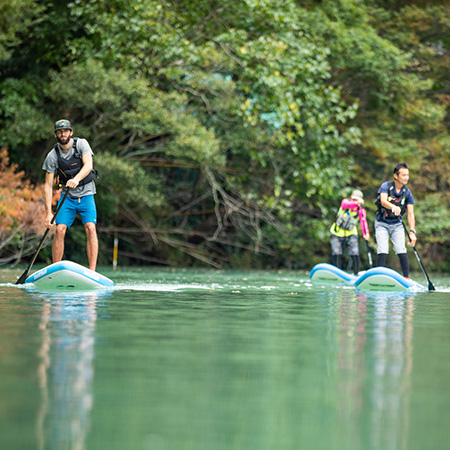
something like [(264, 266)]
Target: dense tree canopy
[(226, 133)]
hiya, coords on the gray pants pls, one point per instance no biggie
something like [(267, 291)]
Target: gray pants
[(339, 243), (384, 231)]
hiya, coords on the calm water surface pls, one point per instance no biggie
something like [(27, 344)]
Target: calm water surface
[(211, 360)]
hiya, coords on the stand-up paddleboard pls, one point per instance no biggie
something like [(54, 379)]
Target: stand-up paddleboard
[(327, 273), (67, 275), (385, 279), (375, 279)]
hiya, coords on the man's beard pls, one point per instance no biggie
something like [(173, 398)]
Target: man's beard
[(63, 141)]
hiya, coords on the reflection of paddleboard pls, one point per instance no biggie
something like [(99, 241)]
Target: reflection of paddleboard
[(67, 275), (327, 273), (385, 279)]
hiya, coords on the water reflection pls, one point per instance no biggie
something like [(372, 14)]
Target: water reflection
[(374, 369), (392, 351), (352, 338), (225, 368), (65, 371)]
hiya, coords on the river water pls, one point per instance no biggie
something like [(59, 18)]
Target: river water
[(214, 360)]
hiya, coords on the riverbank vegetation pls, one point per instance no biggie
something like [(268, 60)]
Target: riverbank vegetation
[(226, 134)]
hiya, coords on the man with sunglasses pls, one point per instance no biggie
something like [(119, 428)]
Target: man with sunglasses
[(71, 160)]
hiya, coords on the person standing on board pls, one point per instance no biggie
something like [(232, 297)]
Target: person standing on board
[(344, 231), (71, 160), (394, 199)]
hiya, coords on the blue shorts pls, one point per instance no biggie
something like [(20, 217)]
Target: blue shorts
[(84, 206)]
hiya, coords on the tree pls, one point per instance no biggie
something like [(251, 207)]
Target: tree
[(248, 119), (22, 212), (16, 16), (418, 125)]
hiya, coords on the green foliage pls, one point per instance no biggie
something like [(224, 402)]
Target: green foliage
[(276, 76), (366, 64), (124, 184), (434, 218), (22, 119), (233, 127), (120, 105), (16, 16)]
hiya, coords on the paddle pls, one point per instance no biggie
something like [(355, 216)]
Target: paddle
[(430, 284), (369, 255), (24, 276)]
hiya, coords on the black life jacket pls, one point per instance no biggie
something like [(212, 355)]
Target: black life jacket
[(392, 198), (68, 168)]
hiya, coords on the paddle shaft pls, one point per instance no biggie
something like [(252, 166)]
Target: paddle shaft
[(430, 284), (24, 276), (369, 255)]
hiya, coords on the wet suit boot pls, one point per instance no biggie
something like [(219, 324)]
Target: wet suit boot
[(336, 260), (403, 258), (356, 264), (381, 260)]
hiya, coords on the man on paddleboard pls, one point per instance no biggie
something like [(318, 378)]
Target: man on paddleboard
[(394, 199), (344, 231), (71, 160)]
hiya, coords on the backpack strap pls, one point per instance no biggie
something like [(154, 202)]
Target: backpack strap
[(74, 144)]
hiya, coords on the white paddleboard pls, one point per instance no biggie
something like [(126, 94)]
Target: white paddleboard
[(385, 279), (375, 279), (67, 275), (327, 273)]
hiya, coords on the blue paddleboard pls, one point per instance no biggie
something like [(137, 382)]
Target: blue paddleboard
[(67, 275)]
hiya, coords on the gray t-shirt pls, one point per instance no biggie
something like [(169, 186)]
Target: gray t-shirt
[(51, 165)]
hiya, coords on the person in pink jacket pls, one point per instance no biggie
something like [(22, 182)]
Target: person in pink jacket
[(344, 231)]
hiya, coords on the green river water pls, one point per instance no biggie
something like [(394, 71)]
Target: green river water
[(214, 360)]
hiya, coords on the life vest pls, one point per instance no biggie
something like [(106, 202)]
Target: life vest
[(394, 199), (345, 222), (346, 219), (68, 168)]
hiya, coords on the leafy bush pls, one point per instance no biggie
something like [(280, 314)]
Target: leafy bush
[(22, 212)]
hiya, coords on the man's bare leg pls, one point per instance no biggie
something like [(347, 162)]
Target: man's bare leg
[(58, 242), (92, 244)]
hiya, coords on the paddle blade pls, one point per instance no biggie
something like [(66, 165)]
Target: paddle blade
[(430, 284), (23, 277), (369, 255)]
